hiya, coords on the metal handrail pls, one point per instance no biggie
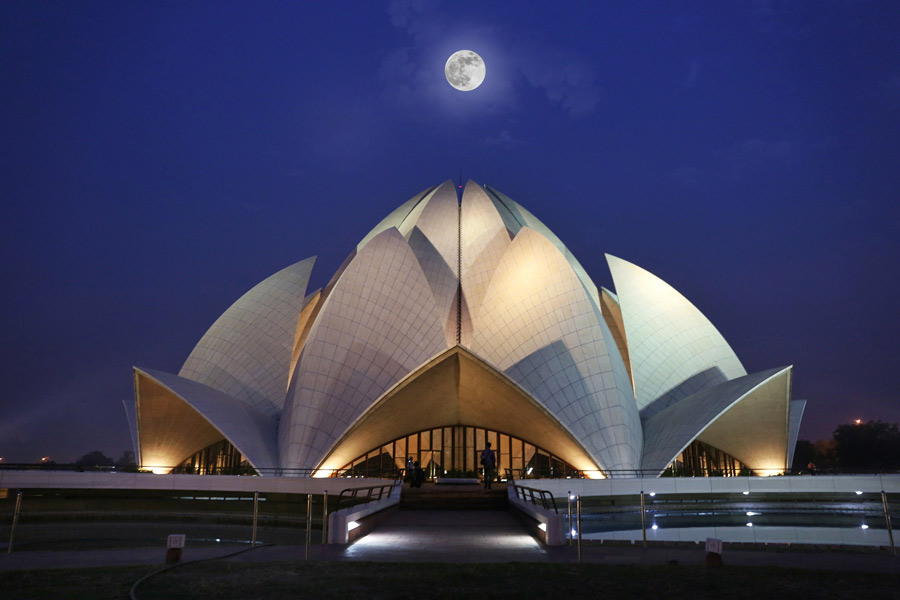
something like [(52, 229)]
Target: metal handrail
[(360, 495), (532, 495)]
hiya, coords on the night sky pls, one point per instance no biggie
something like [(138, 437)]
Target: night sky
[(158, 159)]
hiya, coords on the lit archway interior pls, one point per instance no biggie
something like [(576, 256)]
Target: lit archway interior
[(456, 388)]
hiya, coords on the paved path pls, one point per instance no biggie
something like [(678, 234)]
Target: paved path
[(461, 537)]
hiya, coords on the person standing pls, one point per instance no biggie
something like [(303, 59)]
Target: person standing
[(410, 469), (489, 462)]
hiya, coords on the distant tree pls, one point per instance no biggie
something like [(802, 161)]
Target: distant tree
[(825, 453), (804, 453), (819, 453), (126, 460), (95, 459), (868, 446)]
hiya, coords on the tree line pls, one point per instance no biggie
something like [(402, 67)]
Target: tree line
[(858, 447)]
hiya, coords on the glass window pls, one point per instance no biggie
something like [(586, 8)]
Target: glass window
[(439, 450)]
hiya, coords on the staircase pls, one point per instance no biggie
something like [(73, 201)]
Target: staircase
[(454, 497)]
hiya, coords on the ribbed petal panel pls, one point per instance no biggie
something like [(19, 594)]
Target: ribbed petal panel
[(378, 324), (403, 213), (246, 353), (538, 325), (178, 417), (746, 417), (435, 242), (797, 408), (515, 216), (674, 350), (484, 242)]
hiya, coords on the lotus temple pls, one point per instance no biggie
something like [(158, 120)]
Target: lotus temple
[(459, 320)]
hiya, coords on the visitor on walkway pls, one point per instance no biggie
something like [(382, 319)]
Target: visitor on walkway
[(489, 462), (410, 469), (418, 476)]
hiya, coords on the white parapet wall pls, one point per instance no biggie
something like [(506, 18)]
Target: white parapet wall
[(718, 485), (342, 522), (551, 525), (832, 536), (852, 486), (44, 479)]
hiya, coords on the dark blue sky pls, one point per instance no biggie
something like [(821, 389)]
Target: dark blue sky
[(159, 159)]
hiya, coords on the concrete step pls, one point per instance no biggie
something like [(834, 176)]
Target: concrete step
[(454, 497)]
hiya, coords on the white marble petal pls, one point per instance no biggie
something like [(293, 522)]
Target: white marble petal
[(797, 408), (746, 417), (246, 354), (674, 350), (538, 325), (434, 240), (484, 239), (397, 217), (378, 324), (516, 216), (248, 429)]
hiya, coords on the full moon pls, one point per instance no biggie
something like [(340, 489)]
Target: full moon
[(464, 70)]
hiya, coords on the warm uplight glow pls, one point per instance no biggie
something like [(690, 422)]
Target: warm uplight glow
[(768, 472), (858, 421), (45, 459), (159, 470)]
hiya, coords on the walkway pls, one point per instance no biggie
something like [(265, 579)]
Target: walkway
[(464, 536)]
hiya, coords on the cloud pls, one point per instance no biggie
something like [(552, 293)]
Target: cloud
[(419, 18), (503, 139), (565, 78), (693, 72), (748, 159)]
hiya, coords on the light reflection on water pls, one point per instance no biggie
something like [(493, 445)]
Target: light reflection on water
[(863, 515)]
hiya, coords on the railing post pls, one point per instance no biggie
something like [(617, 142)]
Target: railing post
[(324, 516), (569, 522), (12, 532), (255, 517), (643, 521), (308, 522), (578, 510), (887, 520)]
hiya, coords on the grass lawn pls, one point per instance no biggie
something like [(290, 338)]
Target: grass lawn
[(104, 583), (222, 580)]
